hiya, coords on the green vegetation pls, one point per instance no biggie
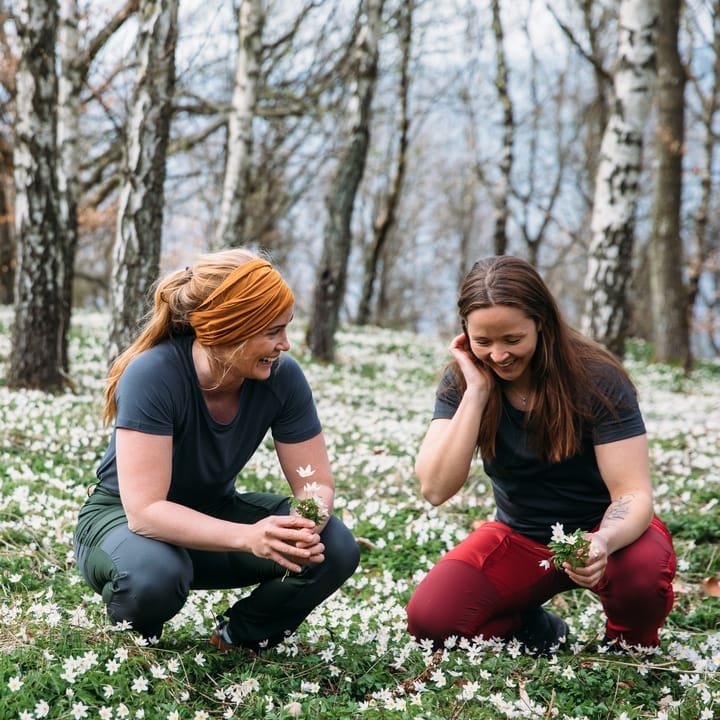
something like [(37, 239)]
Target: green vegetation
[(353, 657)]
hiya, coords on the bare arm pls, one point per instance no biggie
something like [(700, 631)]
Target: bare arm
[(443, 462), (625, 468), (299, 460), (144, 464)]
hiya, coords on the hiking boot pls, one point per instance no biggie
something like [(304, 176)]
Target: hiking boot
[(221, 636), (541, 631)]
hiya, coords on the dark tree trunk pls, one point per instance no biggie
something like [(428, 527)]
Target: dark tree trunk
[(384, 224), (502, 189), (39, 340), (332, 271), (668, 295), (7, 230)]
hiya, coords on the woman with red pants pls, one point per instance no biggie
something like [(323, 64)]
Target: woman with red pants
[(556, 421)]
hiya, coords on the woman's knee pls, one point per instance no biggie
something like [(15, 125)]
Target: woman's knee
[(151, 583), (643, 571), (342, 553), (453, 599), (423, 619)]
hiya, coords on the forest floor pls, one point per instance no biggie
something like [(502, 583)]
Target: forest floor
[(353, 657)]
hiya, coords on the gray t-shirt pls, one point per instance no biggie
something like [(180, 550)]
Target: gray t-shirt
[(532, 494), (159, 394)]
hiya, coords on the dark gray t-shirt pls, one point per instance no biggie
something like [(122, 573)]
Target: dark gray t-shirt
[(159, 394), (532, 494)]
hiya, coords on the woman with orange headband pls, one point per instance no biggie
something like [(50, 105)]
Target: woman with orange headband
[(192, 399)]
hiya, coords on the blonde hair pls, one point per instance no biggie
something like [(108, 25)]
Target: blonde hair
[(176, 295)]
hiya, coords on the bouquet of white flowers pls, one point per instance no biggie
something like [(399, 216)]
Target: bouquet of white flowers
[(573, 548), (312, 506)]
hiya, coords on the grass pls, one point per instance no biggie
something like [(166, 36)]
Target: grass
[(352, 658)]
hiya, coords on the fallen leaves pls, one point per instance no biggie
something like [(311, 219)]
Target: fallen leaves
[(711, 586)]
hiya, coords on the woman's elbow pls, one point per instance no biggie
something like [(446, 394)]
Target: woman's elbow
[(138, 523), (429, 491), (433, 498), (135, 524)]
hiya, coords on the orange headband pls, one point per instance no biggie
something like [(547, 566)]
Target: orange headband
[(243, 305)]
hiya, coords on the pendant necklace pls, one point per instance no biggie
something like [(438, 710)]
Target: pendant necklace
[(523, 398)]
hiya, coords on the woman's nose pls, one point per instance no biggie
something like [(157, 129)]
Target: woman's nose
[(284, 343)]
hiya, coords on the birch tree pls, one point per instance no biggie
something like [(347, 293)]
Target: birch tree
[(612, 226), (75, 57), (38, 337), (332, 270), (667, 291), (231, 227), (136, 254)]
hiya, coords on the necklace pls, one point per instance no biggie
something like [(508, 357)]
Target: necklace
[(523, 398)]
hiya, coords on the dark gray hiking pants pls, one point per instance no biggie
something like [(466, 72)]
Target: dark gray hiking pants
[(146, 582)]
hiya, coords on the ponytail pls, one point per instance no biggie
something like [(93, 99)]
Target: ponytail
[(162, 322), (176, 296)]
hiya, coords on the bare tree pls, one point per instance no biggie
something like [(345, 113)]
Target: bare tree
[(332, 270), (595, 21), (38, 337), (543, 180), (701, 244), (502, 189), (136, 255), (668, 294), (230, 230), (384, 223), (76, 55), (70, 81), (616, 190), (7, 234), (7, 231)]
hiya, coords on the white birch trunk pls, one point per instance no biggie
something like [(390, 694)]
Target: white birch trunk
[(230, 230), (616, 189), (38, 340), (136, 254)]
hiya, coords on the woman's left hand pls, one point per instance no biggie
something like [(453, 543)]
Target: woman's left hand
[(592, 572)]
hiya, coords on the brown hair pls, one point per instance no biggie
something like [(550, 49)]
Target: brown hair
[(563, 367), (177, 296)]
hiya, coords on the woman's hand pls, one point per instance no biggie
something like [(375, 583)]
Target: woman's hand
[(475, 373), (591, 573), (290, 540)]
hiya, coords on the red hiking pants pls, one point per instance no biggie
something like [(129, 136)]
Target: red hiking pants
[(481, 586)]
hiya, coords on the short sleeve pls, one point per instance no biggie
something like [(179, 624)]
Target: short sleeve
[(146, 396), (447, 396), (624, 420), (298, 419)]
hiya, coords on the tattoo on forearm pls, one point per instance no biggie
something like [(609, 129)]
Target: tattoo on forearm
[(619, 509)]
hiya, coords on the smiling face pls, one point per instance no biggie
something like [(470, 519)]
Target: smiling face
[(505, 339), (255, 358)]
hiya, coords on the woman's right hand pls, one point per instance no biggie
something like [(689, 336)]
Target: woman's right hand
[(289, 540), (476, 374)]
